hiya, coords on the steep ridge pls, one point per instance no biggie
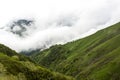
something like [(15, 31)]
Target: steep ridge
[(96, 57), (14, 66)]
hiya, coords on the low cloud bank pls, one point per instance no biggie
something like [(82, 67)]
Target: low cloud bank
[(63, 27)]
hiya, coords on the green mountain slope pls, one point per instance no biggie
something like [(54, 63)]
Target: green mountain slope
[(14, 66), (96, 57)]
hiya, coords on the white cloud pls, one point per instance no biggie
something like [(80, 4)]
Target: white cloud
[(56, 21)]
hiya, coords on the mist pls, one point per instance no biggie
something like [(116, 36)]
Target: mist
[(54, 21)]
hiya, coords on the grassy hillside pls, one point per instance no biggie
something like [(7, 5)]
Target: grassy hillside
[(96, 57), (18, 67)]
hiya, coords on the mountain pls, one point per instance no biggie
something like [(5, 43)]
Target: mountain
[(14, 66), (19, 27), (96, 57)]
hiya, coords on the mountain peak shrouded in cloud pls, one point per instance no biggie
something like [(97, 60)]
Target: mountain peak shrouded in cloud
[(19, 27), (55, 22)]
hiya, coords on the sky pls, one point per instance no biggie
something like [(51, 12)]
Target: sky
[(55, 21)]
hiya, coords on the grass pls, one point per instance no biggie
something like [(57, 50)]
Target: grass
[(95, 57), (14, 66)]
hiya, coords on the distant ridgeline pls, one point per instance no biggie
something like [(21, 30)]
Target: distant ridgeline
[(96, 57), (15, 66)]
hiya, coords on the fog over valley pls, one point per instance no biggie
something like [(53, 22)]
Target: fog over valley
[(30, 25)]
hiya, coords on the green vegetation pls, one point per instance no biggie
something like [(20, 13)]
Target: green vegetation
[(14, 66), (96, 57)]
